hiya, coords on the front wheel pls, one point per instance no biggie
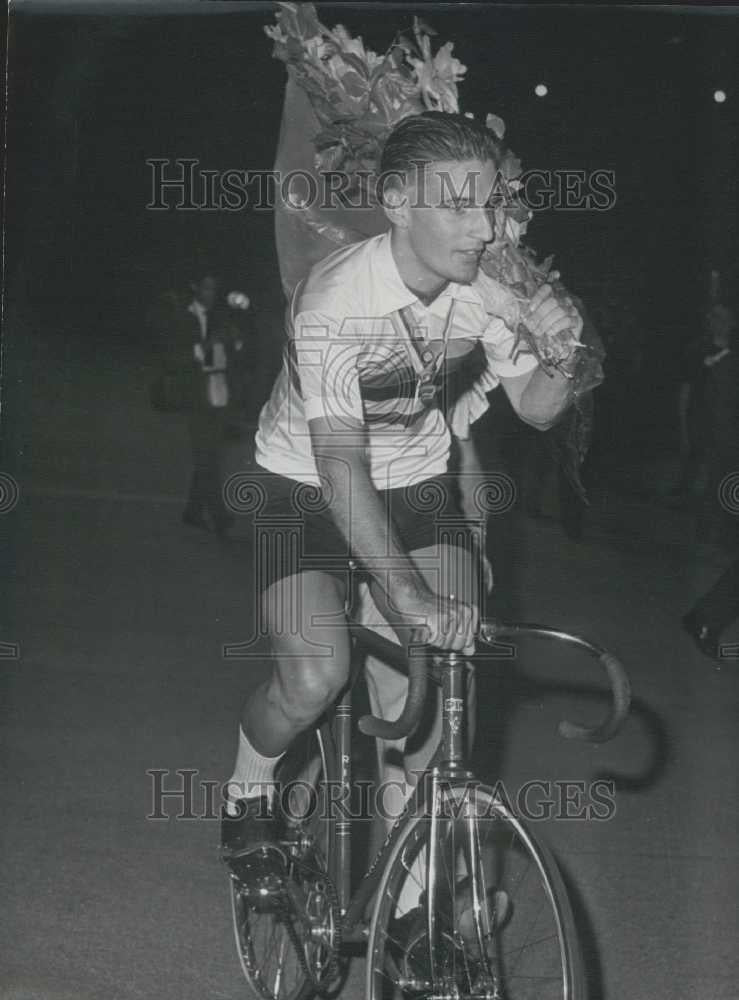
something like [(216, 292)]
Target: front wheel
[(489, 917)]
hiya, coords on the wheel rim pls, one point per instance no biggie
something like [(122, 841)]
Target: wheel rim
[(282, 956), (505, 934), (266, 949)]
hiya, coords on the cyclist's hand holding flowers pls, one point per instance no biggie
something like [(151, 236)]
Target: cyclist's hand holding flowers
[(555, 323)]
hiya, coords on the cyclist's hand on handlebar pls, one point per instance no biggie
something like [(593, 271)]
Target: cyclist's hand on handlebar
[(456, 625), (447, 623)]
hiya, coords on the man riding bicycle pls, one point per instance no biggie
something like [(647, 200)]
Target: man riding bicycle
[(355, 434)]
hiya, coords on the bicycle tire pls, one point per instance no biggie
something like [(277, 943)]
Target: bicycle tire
[(531, 950), (280, 957)]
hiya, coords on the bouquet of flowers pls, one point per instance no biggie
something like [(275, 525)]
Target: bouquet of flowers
[(358, 97), (515, 268)]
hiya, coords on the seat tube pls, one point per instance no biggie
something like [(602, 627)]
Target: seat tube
[(340, 801)]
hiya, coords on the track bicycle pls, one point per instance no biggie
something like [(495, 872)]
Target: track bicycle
[(490, 918)]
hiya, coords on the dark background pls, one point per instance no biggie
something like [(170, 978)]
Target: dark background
[(630, 90), (119, 612)]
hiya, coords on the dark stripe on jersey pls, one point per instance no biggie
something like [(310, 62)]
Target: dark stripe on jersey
[(395, 418), (399, 384)]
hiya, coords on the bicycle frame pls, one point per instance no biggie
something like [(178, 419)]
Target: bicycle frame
[(448, 761), (413, 874), (447, 764)]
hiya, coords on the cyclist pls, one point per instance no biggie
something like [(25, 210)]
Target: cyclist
[(354, 434)]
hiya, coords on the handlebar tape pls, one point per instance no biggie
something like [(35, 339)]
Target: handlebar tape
[(415, 659), (621, 690)]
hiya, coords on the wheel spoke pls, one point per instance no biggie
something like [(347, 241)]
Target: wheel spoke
[(280, 966), (499, 906), (287, 943)]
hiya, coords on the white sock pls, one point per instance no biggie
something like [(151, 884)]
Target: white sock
[(254, 775)]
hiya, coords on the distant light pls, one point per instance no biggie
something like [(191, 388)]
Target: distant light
[(541, 90), (719, 96)]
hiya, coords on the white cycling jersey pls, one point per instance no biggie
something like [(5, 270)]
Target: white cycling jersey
[(362, 346)]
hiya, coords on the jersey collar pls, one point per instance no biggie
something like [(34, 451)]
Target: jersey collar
[(392, 292)]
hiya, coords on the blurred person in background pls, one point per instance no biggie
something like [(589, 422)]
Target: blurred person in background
[(714, 612), (619, 418), (709, 422), (205, 350)]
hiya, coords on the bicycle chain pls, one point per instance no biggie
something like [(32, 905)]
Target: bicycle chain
[(332, 969)]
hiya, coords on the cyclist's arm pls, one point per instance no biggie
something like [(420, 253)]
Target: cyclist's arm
[(539, 398), (361, 516), (472, 479), (470, 476)]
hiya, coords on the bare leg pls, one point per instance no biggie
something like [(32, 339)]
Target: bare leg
[(310, 646)]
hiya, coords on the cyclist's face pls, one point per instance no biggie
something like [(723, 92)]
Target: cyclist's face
[(446, 221)]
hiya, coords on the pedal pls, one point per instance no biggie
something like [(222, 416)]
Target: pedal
[(261, 875)]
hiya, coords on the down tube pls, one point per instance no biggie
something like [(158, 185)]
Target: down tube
[(415, 807)]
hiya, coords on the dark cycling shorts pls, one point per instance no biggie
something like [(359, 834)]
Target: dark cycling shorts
[(295, 532)]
